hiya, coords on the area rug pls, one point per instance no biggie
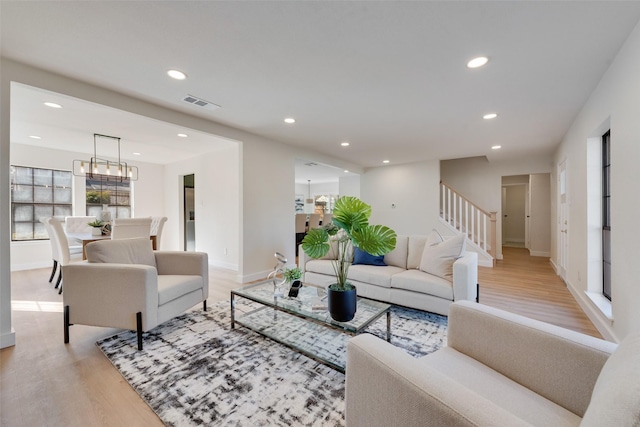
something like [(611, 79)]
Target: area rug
[(195, 370)]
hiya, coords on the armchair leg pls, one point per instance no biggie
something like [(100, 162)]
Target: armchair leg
[(204, 305), (477, 292), (139, 329), (53, 270), (66, 324)]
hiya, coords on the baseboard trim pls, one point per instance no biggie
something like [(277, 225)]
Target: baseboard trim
[(31, 265), (602, 324), (8, 339), (222, 264), (540, 253)]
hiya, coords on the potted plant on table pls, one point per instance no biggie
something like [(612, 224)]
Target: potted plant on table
[(97, 227), (349, 229)]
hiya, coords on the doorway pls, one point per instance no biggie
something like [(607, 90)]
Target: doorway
[(189, 213), (514, 215)]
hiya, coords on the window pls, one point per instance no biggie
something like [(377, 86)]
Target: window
[(606, 215), (113, 191), (38, 193)]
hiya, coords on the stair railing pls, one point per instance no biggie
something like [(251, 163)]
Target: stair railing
[(468, 218)]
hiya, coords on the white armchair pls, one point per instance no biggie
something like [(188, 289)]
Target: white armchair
[(498, 369), (125, 284)]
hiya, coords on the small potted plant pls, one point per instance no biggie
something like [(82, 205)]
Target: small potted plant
[(292, 274), (97, 227)]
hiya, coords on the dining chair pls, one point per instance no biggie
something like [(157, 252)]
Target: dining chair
[(301, 228), (327, 219), (157, 224), (77, 224), (60, 248), (314, 220), (127, 228)]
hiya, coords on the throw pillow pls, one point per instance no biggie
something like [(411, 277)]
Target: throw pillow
[(438, 259), (122, 251), (434, 238), (364, 258)]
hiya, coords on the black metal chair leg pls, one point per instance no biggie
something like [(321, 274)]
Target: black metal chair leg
[(204, 305), (477, 292), (59, 279), (53, 270), (66, 324), (139, 329)]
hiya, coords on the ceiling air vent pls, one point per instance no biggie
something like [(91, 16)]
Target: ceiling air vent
[(194, 100)]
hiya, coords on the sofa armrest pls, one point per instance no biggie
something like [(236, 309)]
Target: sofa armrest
[(385, 386), (184, 263), (110, 295), (465, 277), (557, 363)]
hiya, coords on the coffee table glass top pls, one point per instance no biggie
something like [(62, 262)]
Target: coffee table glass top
[(311, 303)]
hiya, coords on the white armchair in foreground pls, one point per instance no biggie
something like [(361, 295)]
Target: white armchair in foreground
[(125, 284)]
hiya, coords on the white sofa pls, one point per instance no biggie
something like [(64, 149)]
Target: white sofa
[(498, 369), (401, 281), (125, 284)]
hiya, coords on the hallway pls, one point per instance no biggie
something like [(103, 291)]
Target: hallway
[(528, 286)]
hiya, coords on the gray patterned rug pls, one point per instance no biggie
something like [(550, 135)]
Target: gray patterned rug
[(195, 370)]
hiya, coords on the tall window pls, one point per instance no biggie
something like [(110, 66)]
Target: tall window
[(38, 193), (109, 190), (606, 215)]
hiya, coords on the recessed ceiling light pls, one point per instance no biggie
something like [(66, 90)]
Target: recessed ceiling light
[(182, 135), (34, 136), (490, 116), (496, 147), (52, 105), (477, 62), (136, 154), (176, 74), (344, 144), (385, 161), (289, 120)]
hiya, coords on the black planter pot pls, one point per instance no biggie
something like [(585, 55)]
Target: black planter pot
[(342, 304)]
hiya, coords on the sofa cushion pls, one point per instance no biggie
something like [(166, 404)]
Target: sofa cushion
[(365, 258), (438, 259), (122, 251), (500, 390), (419, 281), (321, 266), (398, 256), (172, 286), (614, 400), (416, 247), (374, 275)]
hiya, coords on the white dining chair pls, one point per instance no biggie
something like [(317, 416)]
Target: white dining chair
[(128, 228), (314, 220), (157, 224), (78, 225), (61, 252)]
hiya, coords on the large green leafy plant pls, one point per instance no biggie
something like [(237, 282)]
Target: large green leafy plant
[(350, 229)]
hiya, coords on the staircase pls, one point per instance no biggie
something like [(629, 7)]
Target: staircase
[(463, 216)]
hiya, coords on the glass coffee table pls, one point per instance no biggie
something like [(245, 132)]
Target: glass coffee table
[(303, 323)]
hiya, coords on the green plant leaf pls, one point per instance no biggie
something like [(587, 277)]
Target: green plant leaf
[(351, 213), (375, 239), (316, 243)]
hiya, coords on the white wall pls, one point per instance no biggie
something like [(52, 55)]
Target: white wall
[(616, 100), (540, 213), (217, 203), (413, 189), (481, 181)]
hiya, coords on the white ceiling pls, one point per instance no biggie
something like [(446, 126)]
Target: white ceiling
[(389, 77)]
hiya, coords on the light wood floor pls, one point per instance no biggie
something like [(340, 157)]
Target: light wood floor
[(46, 383)]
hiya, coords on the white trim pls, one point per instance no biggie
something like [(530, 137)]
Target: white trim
[(602, 304), (225, 265), (8, 339), (32, 265), (602, 324), (540, 253)]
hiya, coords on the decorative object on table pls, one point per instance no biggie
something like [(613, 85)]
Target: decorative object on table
[(350, 229), (98, 166), (295, 288), (96, 227), (278, 275), (293, 275)]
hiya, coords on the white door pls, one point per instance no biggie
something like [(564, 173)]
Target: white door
[(563, 220)]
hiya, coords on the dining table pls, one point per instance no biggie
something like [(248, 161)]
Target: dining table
[(87, 238)]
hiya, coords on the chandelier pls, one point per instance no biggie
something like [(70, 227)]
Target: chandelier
[(99, 166)]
